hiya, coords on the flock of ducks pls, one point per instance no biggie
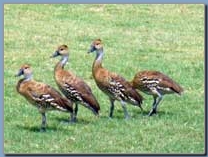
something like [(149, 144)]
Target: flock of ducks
[(76, 91)]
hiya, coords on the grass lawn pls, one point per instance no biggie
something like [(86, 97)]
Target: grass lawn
[(168, 38)]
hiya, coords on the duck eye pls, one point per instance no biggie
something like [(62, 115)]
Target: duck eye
[(61, 49)]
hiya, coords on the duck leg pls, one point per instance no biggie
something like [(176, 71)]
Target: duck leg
[(111, 107), (71, 118), (157, 99), (43, 125), (74, 119), (126, 114)]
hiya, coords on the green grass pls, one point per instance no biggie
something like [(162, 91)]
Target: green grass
[(167, 38)]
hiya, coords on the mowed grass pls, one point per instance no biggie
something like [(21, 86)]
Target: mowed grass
[(168, 38)]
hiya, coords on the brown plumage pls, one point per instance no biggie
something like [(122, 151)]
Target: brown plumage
[(112, 84), (41, 95), (156, 84), (73, 87)]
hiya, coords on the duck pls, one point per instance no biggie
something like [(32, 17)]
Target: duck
[(42, 96), (72, 86), (112, 84), (157, 84)]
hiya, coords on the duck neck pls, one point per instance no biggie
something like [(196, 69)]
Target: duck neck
[(28, 77), (98, 60), (62, 62)]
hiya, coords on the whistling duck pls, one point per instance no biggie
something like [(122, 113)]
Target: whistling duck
[(73, 87), (112, 84), (156, 84), (41, 95)]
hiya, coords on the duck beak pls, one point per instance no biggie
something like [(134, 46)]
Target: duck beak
[(20, 72), (55, 54), (92, 49)]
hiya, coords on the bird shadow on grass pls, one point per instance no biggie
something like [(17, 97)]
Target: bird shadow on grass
[(134, 113), (78, 121), (146, 112), (36, 128)]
